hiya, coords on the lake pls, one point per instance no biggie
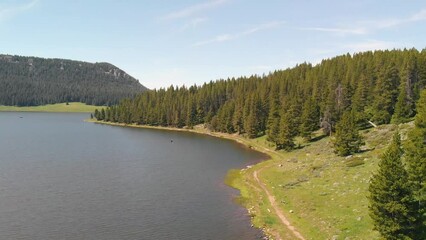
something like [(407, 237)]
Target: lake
[(63, 178)]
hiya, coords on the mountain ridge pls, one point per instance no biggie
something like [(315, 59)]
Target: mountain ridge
[(33, 81)]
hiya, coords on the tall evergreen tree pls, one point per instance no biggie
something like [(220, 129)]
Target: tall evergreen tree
[(289, 126), (347, 138), (404, 107), (102, 115), (416, 163), (386, 93), (360, 100), (310, 119), (285, 138), (274, 117), (251, 123), (191, 113), (421, 73), (96, 114), (274, 130), (391, 198), (237, 120)]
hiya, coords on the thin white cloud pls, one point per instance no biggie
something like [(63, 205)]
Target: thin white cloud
[(366, 27), (217, 39), (228, 37), (194, 9), (193, 23), (421, 15), (340, 31), (11, 11), (393, 22)]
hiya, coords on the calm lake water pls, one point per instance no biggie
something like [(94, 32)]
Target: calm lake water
[(62, 178)]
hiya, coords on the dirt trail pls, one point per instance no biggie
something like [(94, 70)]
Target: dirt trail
[(277, 211)]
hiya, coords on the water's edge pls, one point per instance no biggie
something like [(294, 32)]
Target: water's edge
[(236, 138)]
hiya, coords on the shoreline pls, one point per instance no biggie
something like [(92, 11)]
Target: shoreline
[(235, 177), (71, 107), (235, 137)]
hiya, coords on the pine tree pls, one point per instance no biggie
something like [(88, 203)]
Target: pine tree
[(391, 198), (102, 115), (386, 93), (421, 80), (287, 132), (310, 119), (360, 100), (360, 97), (416, 164), (404, 107), (274, 130), (237, 120), (107, 115), (200, 113), (96, 114), (347, 138), (330, 113), (273, 124), (191, 114), (224, 118), (251, 123), (294, 113)]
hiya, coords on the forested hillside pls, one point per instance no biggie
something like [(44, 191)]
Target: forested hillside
[(31, 81), (380, 87)]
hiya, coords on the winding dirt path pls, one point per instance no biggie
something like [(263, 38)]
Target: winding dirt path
[(277, 211)]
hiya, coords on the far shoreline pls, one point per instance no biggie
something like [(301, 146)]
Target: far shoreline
[(70, 107), (199, 130)]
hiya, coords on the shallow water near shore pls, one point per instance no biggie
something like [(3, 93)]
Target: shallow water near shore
[(63, 178)]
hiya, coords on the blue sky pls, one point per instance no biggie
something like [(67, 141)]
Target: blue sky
[(164, 42)]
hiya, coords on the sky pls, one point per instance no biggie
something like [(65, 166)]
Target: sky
[(186, 42)]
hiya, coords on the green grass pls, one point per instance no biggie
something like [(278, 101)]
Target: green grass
[(59, 107), (326, 193)]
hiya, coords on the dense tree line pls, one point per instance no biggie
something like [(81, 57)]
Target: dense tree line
[(380, 87), (30, 81)]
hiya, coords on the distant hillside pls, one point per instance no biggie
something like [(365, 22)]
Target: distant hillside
[(32, 81)]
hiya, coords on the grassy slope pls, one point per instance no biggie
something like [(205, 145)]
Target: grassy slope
[(325, 193), (59, 107)]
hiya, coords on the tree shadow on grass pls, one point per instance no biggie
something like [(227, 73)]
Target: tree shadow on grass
[(366, 150), (317, 138)]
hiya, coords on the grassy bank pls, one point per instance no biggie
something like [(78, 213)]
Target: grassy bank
[(321, 194), (59, 107)]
